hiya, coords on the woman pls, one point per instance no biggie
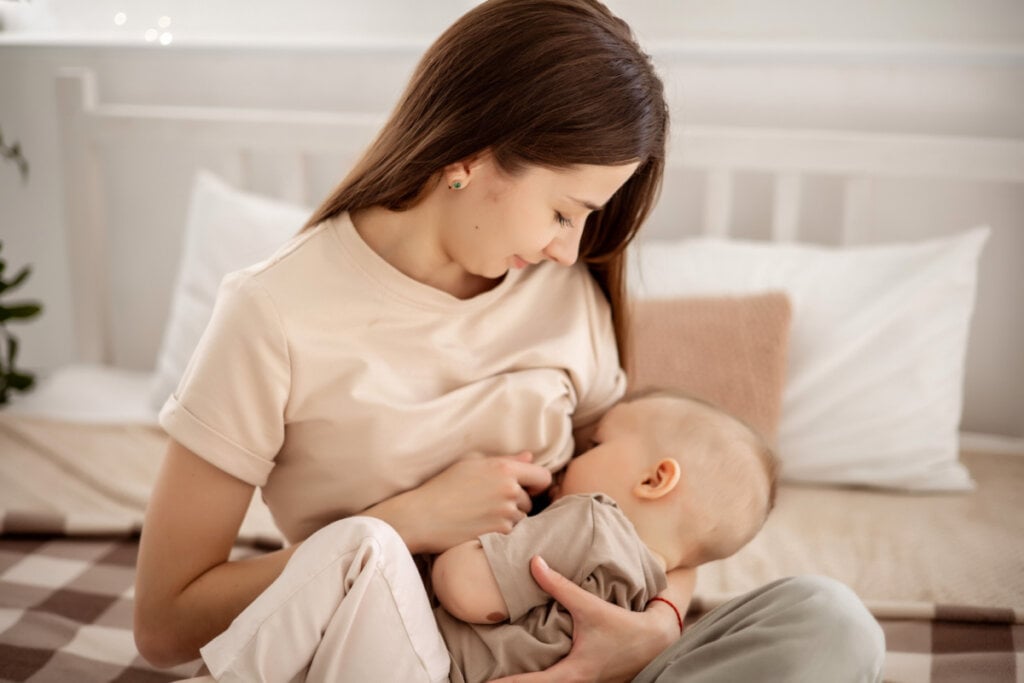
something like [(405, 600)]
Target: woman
[(432, 310)]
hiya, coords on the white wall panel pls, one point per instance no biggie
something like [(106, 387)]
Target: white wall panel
[(901, 67)]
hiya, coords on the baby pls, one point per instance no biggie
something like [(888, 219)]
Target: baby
[(669, 482)]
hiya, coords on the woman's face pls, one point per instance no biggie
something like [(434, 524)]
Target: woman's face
[(495, 222)]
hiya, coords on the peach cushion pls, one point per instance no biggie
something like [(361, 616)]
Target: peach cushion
[(728, 350)]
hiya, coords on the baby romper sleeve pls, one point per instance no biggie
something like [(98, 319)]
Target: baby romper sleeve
[(580, 536), (229, 406)]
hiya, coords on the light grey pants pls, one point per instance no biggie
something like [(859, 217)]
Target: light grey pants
[(801, 629), (350, 606)]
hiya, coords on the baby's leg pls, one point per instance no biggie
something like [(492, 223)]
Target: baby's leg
[(349, 606)]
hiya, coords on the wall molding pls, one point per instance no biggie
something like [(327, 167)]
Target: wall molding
[(831, 53), (692, 51)]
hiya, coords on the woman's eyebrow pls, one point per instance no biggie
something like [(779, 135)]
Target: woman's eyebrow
[(586, 204)]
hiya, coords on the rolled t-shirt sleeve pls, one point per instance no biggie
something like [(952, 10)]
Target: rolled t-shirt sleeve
[(229, 407)]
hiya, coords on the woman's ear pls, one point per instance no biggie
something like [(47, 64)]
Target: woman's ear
[(462, 171), (660, 481), (456, 176)]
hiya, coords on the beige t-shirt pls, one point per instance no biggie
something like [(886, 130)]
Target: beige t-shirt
[(334, 381), (587, 539)]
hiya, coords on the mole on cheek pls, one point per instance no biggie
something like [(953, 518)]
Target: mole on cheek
[(495, 617)]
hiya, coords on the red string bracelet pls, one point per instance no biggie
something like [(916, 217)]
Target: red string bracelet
[(679, 617)]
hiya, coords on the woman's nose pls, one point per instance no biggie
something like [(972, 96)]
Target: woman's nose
[(564, 249)]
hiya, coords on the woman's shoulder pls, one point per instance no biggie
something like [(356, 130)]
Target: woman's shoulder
[(290, 254), (299, 267), (568, 289), (549, 276)]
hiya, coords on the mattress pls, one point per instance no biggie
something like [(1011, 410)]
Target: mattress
[(942, 573), (79, 479), (900, 552)]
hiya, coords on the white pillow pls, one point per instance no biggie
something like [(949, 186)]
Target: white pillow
[(877, 345), (226, 230)]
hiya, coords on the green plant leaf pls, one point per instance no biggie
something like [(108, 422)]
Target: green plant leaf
[(20, 311), (12, 349), (20, 381), (17, 281)]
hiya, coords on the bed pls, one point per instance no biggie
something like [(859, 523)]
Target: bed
[(936, 553)]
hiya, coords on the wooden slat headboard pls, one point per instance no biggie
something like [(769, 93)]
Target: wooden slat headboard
[(128, 168)]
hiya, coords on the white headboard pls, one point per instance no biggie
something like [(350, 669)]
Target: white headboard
[(128, 168)]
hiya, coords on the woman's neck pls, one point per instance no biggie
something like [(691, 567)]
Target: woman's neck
[(411, 242)]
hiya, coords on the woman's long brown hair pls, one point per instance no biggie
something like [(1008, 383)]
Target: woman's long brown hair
[(551, 83)]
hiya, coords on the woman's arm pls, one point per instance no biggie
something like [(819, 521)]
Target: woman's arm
[(681, 584), (186, 590), (609, 643), (473, 496)]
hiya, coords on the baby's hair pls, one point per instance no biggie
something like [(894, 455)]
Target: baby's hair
[(762, 449)]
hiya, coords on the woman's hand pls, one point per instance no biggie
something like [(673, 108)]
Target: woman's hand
[(609, 643), (476, 495)]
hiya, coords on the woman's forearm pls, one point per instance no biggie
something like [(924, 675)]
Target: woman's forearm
[(681, 583), (660, 623), (400, 513), (186, 589), (170, 629)]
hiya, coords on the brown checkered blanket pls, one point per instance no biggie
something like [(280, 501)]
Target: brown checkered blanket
[(66, 614), (66, 611)]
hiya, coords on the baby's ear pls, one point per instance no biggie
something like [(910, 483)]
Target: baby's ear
[(660, 480)]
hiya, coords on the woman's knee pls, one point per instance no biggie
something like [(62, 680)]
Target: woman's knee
[(352, 532), (806, 629), (836, 620)]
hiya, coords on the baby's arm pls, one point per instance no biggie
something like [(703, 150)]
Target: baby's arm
[(465, 585), (468, 586)]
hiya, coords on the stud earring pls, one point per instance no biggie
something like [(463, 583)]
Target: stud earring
[(457, 185)]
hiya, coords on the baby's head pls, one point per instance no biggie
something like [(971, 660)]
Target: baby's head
[(696, 482)]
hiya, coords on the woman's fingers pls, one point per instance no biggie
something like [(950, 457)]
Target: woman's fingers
[(609, 643), (533, 478), (528, 476), (475, 495), (564, 591), (523, 501), (567, 593)]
